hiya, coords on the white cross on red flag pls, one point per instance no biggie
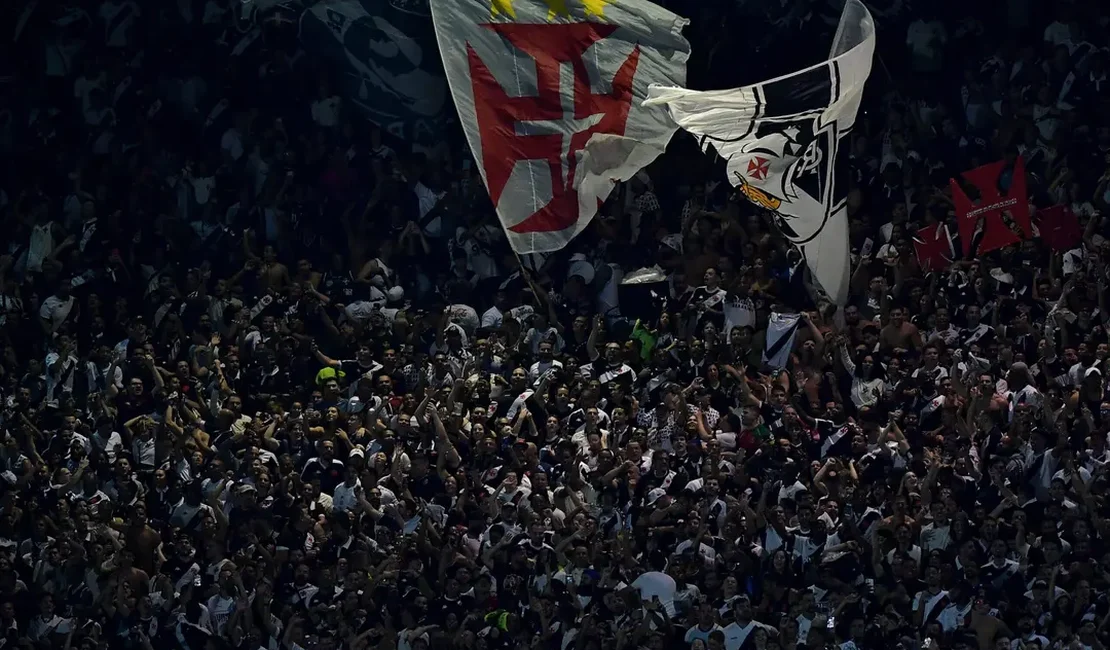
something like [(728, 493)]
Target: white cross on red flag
[(933, 245), (549, 94)]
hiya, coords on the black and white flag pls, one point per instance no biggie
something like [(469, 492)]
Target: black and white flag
[(781, 330), (781, 141)]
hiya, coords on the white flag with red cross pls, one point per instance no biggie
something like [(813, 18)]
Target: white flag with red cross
[(549, 94)]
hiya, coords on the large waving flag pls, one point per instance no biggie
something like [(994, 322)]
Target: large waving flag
[(549, 93), (781, 140), (385, 51)]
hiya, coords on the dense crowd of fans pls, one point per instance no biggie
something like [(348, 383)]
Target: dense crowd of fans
[(272, 381)]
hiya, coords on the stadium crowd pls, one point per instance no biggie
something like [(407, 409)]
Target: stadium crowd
[(271, 380)]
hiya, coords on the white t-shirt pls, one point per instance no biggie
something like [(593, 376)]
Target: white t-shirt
[(540, 368), (110, 446), (493, 316), (478, 260), (1057, 33), (935, 537), (55, 310), (695, 633), (736, 634), (219, 610), (142, 449), (343, 497), (202, 188)]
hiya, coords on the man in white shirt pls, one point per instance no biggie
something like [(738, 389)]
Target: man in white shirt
[(705, 626), (61, 366), (956, 613), (47, 625), (935, 535), (106, 439), (546, 363), (56, 309), (930, 601), (143, 446), (345, 496), (736, 632)]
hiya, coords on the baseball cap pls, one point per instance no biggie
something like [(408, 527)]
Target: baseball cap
[(329, 373)]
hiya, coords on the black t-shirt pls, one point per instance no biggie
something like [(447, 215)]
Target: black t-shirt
[(512, 584), (714, 312), (330, 473), (262, 381), (355, 370), (439, 610), (131, 406), (772, 417)]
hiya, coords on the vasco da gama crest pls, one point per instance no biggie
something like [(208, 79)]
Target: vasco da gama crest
[(781, 140)]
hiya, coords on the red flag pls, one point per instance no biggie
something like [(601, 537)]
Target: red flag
[(933, 245), (995, 220), (1059, 228)]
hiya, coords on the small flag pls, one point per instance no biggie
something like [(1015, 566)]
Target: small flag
[(933, 245), (995, 220), (781, 329)]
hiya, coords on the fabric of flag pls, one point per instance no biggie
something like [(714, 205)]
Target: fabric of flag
[(549, 95), (1059, 228), (385, 52), (994, 220), (933, 245), (781, 329), (781, 141)]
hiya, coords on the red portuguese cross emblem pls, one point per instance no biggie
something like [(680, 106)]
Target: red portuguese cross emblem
[(539, 127), (758, 168)]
